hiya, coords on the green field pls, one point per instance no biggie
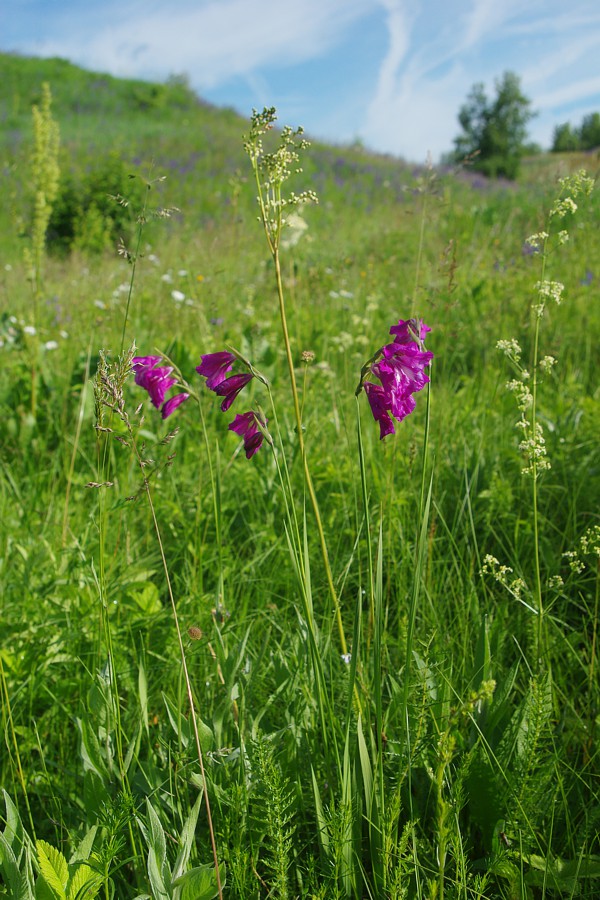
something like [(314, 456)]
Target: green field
[(345, 667)]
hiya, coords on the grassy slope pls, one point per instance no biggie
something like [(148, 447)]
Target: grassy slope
[(348, 280)]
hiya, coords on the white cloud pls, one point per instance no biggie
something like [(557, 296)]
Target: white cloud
[(405, 103), (431, 64), (213, 41), (577, 92)]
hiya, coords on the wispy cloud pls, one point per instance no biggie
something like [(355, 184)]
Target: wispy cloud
[(402, 99), (419, 90), (212, 41)]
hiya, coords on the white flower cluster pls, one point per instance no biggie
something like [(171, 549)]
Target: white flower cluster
[(515, 586), (563, 207), (511, 349), (547, 290)]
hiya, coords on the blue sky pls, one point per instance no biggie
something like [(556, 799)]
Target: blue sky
[(392, 73)]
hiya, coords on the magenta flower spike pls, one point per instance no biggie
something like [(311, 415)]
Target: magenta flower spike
[(404, 365), (230, 388), (246, 425), (214, 367), (400, 367)]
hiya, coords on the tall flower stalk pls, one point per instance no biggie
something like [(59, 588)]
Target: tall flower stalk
[(533, 445), (271, 171)]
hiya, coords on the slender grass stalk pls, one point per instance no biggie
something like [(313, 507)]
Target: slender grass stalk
[(8, 713), (133, 259), (540, 654), (307, 476), (186, 676), (76, 439), (276, 168)]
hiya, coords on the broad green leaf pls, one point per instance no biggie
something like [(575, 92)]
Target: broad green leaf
[(199, 883), (321, 823), (366, 769), (13, 831), (147, 598), (84, 883), (83, 850), (158, 870), (90, 750), (143, 694), (53, 867), (186, 839), (8, 866)]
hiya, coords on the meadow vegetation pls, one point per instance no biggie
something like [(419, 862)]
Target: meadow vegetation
[(344, 667)]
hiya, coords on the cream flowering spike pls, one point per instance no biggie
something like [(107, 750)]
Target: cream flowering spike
[(271, 171), (525, 388), (533, 445)]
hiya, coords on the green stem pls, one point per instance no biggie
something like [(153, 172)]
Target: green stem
[(134, 259), (536, 529), (307, 476)]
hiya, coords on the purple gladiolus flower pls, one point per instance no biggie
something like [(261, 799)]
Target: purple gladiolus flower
[(400, 367), (157, 381), (378, 401), (214, 367), (230, 387), (409, 331), (247, 426)]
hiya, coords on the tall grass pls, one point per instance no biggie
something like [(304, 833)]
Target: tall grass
[(356, 707)]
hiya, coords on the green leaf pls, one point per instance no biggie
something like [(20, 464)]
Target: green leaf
[(321, 822), (10, 870), (186, 839), (147, 598), (199, 883), (53, 868), (90, 750), (158, 870), (83, 850), (13, 831), (183, 727), (84, 883)]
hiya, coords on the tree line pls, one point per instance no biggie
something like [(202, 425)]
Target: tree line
[(493, 136)]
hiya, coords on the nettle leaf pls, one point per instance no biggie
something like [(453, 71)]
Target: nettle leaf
[(53, 867)]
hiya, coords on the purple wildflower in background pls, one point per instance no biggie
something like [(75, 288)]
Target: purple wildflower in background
[(247, 426), (214, 367), (157, 381), (400, 367)]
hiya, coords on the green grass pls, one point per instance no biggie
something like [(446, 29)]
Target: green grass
[(404, 773)]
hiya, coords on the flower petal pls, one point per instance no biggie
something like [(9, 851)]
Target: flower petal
[(214, 367), (230, 388), (172, 403)]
